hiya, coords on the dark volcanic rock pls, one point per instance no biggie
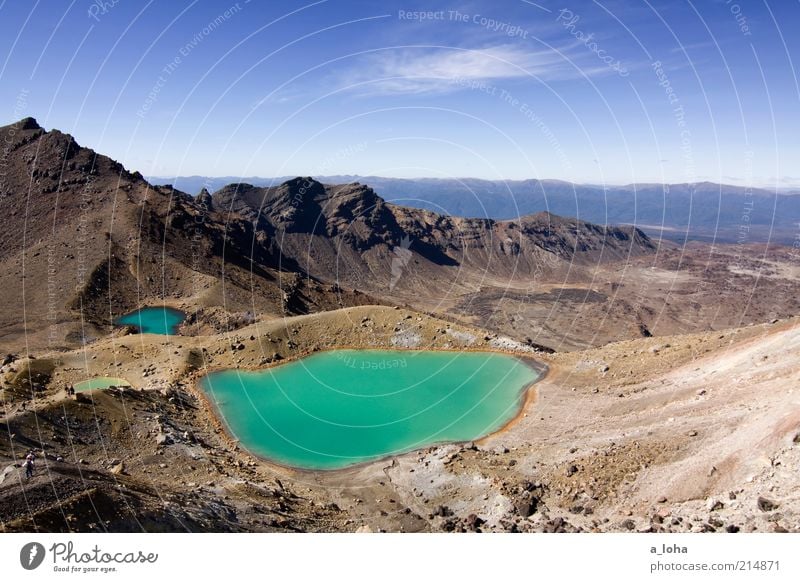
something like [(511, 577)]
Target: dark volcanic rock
[(473, 522), (765, 504), (526, 506)]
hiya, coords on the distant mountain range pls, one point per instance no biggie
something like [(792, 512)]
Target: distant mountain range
[(702, 211)]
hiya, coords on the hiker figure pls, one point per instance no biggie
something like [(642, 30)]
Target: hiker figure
[(28, 464)]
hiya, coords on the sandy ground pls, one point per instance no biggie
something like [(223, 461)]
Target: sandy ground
[(684, 433)]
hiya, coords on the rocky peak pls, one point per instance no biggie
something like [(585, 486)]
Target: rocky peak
[(28, 123), (301, 189), (356, 196), (205, 200)]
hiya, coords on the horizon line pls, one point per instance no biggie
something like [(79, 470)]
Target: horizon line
[(282, 179)]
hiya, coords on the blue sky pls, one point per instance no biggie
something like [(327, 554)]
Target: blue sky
[(593, 92)]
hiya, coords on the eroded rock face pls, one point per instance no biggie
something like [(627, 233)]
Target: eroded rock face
[(352, 228)]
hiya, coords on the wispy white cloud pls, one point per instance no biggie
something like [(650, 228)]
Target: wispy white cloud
[(440, 70), (697, 46)]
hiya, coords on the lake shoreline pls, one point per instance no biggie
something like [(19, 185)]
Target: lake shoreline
[(136, 315), (526, 399)]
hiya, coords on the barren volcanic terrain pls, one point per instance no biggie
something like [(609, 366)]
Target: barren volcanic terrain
[(669, 404)]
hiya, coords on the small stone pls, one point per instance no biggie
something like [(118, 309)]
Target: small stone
[(662, 499), (732, 528), (765, 504), (163, 439), (473, 522), (716, 522), (714, 504), (571, 470), (692, 433), (526, 507)]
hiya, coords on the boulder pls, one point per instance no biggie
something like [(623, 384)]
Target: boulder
[(526, 506), (6, 472), (765, 504), (443, 511)]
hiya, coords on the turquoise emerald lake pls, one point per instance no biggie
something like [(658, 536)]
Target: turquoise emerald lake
[(339, 408), (160, 320)]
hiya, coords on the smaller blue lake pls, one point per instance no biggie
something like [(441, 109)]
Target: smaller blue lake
[(159, 320)]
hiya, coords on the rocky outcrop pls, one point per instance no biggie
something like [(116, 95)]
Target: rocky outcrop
[(350, 233)]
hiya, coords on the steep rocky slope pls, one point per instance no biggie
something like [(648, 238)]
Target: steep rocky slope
[(87, 240)]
